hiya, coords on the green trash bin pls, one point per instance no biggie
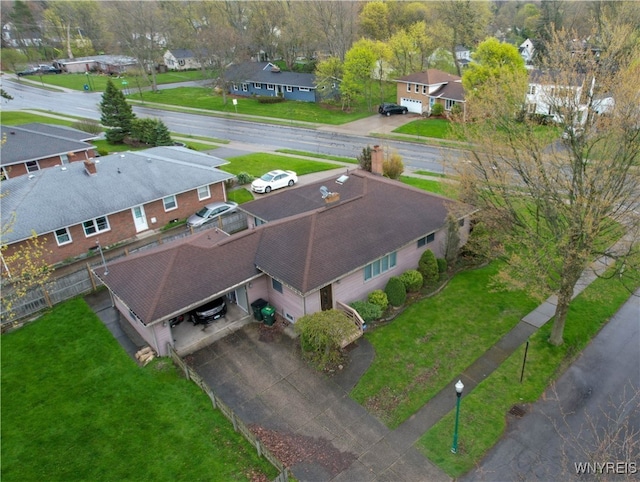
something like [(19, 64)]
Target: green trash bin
[(257, 306), (269, 315)]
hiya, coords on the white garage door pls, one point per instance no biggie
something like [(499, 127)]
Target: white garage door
[(414, 106)]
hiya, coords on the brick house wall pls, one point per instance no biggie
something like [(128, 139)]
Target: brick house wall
[(121, 226), (16, 170)]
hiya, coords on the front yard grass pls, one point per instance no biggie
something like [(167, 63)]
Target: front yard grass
[(435, 128), (76, 407), (416, 355), (259, 163), (483, 413), (206, 99)]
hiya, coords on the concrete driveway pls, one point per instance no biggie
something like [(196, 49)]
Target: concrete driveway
[(374, 124), (329, 437)]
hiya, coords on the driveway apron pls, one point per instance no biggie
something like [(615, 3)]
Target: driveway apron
[(329, 437)]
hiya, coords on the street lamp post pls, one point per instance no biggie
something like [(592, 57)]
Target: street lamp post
[(459, 388)]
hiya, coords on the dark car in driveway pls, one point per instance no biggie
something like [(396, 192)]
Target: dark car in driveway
[(209, 312), (388, 109)]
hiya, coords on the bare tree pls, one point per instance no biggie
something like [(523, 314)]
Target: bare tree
[(556, 203), (141, 29), (338, 22)]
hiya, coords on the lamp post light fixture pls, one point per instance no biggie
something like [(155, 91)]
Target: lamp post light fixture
[(459, 388)]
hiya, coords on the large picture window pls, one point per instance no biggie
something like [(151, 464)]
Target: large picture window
[(380, 266), (95, 226)]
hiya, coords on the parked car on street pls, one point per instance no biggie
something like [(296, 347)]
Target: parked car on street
[(209, 312), (39, 70), (389, 108), (210, 212), (274, 180)]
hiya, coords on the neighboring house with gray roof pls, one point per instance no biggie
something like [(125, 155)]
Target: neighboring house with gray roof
[(420, 91), (333, 247), (108, 64), (111, 199), (31, 147), (181, 59), (266, 79)]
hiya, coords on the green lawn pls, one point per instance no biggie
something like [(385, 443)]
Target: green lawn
[(206, 99), (16, 118), (483, 411), (435, 128), (257, 164), (415, 356), (435, 187), (349, 160), (76, 407), (98, 82)]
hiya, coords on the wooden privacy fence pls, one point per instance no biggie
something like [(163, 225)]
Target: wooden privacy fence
[(238, 425)]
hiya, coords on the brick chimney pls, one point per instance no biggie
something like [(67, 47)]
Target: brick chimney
[(90, 167), (376, 160)]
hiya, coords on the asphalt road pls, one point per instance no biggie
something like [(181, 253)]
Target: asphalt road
[(253, 136), (601, 389)]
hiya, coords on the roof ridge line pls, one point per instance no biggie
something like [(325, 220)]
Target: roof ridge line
[(167, 271), (307, 261)]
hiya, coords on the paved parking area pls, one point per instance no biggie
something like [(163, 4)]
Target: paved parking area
[(260, 375)]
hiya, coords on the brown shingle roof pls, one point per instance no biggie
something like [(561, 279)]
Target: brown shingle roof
[(429, 77), (306, 245)]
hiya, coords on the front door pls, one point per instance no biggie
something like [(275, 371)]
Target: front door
[(139, 218), (326, 298), (241, 298)]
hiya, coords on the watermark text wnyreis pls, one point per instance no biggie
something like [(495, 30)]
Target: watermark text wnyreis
[(609, 468)]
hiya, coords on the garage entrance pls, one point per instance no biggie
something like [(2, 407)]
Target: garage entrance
[(413, 105)]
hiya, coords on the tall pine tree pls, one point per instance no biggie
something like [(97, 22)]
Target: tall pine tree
[(115, 113)]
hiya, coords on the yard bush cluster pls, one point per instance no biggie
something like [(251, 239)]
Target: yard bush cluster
[(244, 178), (412, 280), (437, 110), (368, 311), (428, 268), (396, 292), (152, 132), (379, 297), (264, 99)]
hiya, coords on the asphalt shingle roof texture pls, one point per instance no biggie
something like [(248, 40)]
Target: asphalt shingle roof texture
[(32, 142), (262, 72), (307, 245), (54, 198)]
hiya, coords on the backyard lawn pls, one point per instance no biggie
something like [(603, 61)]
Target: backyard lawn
[(76, 407)]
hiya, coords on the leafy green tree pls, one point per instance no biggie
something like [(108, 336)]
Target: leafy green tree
[(411, 49), (452, 241), (359, 63), (115, 113), (321, 335), (374, 20), (328, 74), (494, 60)]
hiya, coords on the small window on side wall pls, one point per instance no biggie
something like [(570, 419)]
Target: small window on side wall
[(170, 203), (204, 193), (276, 285), (63, 236)]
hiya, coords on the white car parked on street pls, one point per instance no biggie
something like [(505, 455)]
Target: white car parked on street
[(274, 180)]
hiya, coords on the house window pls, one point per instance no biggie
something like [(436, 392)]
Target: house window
[(95, 226), (531, 108), (424, 89), (417, 88), (63, 236), (269, 86), (289, 88), (426, 240), (32, 166), (303, 89), (245, 87), (257, 86), (64, 158), (276, 285), (3, 174), (203, 193), (235, 86), (181, 62), (258, 221), (531, 90), (170, 203), (379, 266), (448, 104), (408, 87)]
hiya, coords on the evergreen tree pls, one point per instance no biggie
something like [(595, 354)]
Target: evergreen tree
[(162, 135), (116, 113)]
